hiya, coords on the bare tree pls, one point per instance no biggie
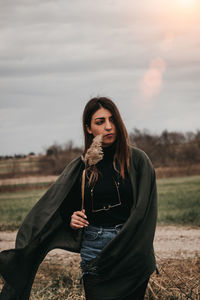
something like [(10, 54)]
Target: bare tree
[(57, 157)]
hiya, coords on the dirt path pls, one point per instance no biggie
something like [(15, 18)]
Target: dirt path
[(170, 242)]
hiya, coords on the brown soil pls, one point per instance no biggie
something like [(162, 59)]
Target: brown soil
[(170, 242)]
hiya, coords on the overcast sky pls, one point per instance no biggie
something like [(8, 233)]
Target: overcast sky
[(57, 54)]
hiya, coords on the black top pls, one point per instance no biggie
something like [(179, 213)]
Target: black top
[(109, 201)]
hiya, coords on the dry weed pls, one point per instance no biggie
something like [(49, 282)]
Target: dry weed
[(178, 279)]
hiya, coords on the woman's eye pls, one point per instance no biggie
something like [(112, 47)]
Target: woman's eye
[(99, 122)]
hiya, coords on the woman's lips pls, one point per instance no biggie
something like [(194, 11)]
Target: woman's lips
[(109, 135)]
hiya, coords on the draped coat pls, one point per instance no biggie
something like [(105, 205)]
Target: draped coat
[(124, 264)]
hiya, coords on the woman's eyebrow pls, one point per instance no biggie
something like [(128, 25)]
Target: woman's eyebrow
[(101, 118)]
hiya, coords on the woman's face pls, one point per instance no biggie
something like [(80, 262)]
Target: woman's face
[(102, 123)]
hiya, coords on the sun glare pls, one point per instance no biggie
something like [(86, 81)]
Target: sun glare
[(187, 3)]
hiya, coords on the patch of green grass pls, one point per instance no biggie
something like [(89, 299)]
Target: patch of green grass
[(15, 205), (179, 200), (178, 203)]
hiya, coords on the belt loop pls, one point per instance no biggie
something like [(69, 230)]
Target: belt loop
[(100, 230), (118, 226)]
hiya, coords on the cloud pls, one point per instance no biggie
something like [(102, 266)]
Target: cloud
[(55, 55)]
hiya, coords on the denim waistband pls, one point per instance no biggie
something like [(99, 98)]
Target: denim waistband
[(102, 228)]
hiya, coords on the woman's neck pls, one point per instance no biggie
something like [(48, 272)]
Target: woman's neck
[(109, 151)]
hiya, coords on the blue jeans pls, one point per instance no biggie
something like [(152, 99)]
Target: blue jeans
[(95, 238)]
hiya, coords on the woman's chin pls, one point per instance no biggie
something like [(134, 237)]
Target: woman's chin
[(107, 143)]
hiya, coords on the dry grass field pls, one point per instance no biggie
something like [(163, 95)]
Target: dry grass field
[(178, 259), (176, 246)]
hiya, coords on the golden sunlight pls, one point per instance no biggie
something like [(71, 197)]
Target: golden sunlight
[(186, 3)]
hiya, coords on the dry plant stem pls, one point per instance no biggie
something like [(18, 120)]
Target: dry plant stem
[(95, 153), (151, 289), (45, 288), (180, 289), (191, 294), (160, 286)]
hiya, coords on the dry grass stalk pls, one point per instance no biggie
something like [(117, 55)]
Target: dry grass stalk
[(178, 280), (150, 288), (175, 280), (95, 153)]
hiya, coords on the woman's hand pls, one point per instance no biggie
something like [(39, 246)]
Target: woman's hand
[(78, 220)]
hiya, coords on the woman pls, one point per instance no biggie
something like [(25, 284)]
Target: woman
[(103, 205), (109, 195)]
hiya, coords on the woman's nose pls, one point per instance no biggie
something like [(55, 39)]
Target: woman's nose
[(108, 125)]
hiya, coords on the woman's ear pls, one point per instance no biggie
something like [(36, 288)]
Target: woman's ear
[(88, 129)]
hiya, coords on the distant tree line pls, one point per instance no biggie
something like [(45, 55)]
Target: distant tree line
[(167, 149), (57, 157), (4, 157)]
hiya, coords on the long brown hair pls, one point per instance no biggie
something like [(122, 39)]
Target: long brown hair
[(121, 157)]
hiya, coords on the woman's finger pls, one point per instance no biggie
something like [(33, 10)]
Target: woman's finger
[(78, 220), (79, 215)]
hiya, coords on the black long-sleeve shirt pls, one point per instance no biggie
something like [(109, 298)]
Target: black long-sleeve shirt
[(110, 201)]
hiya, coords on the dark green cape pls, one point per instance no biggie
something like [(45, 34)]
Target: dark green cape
[(124, 263)]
